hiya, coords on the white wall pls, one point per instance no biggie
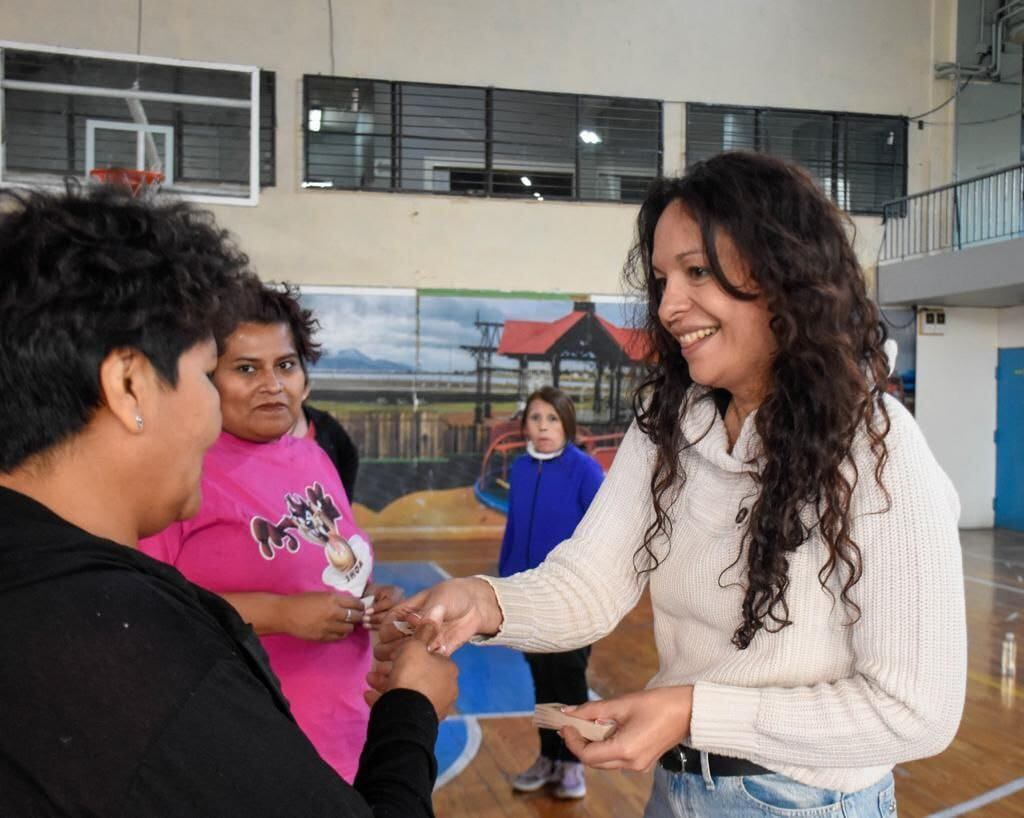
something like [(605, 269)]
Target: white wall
[(872, 56), (1011, 327), (956, 405)]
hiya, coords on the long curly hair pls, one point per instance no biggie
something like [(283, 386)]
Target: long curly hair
[(827, 378)]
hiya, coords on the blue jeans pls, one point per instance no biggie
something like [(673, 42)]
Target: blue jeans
[(689, 795)]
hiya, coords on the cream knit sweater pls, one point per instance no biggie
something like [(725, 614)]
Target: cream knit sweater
[(827, 703)]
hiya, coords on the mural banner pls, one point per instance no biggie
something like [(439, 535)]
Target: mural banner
[(430, 384)]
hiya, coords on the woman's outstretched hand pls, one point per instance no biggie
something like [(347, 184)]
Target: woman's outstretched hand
[(648, 724), (461, 609)]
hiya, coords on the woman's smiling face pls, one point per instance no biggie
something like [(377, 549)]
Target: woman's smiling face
[(727, 342)]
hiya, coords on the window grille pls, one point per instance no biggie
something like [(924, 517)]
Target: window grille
[(859, 160), (472, 141)]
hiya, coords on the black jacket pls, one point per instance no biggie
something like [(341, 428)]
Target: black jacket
[(333, 439), (126, 690)]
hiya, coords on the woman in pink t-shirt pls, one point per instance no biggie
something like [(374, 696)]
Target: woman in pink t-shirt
[(275, 534)]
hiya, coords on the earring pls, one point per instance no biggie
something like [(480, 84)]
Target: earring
[(138, 422)]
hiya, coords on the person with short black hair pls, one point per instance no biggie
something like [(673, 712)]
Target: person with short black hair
[(126, 689)]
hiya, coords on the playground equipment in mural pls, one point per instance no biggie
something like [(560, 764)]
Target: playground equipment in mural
[(429, 387)]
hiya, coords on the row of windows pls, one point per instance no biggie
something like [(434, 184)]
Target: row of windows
[(473, 141), (860, 161), (401, 136), (366, 134)]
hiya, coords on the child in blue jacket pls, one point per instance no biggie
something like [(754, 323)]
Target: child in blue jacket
[(551, 487)]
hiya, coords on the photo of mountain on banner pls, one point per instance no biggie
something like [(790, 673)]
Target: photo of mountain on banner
[(430, 387)]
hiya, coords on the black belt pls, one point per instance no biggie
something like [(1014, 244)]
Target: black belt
[(682, 759)]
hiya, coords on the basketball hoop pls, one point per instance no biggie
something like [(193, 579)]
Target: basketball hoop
[(137, 182)]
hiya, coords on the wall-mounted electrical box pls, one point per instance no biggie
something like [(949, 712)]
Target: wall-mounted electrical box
[(931, 321)]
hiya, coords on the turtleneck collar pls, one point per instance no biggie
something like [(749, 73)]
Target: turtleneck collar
[(532, 451), (704, 427)]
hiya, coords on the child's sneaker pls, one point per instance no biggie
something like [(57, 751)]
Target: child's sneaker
[(542, 772), (572, 783)]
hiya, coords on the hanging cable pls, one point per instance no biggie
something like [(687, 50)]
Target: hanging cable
[(1000, 118), (889, 322), (138, 46), (1016, 112), (943, 104), (330, 31)]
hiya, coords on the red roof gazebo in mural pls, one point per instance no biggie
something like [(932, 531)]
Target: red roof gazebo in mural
[(582, 335)]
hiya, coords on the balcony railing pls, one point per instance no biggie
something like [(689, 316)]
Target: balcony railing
[(973, 211)]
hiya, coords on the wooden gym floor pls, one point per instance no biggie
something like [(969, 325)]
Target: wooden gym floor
[(981, 774)]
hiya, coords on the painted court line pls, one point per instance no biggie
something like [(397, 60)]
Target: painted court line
[(469, 751), (1001, 586), (1004, 686), (512, 714), (983, 799)]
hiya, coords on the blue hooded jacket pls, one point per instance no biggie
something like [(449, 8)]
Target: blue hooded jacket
[(547, 499)]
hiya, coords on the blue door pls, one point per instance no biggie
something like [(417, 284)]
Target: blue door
[(1010, 440)]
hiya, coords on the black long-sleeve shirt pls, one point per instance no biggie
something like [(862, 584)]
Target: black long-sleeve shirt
[(126, 690)]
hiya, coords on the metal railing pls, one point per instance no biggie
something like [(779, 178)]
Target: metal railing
[(973, 211)]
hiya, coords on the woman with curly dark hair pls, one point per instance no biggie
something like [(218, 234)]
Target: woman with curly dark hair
[(798, 538)]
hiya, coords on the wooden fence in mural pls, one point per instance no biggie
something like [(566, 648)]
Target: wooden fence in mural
[(411, 435)]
